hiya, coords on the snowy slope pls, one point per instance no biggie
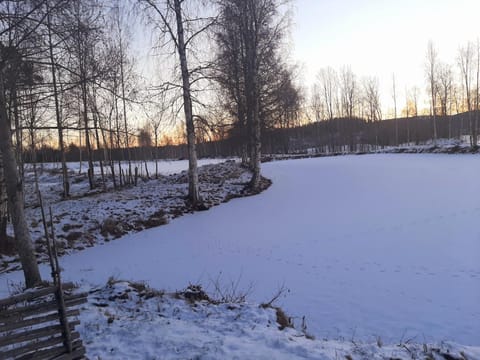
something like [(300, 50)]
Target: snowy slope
[(126, 321), (377, 245)]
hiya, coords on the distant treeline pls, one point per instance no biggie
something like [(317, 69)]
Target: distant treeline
[(337, 135)]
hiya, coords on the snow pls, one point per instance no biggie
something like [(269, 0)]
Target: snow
[(96, 216), (122, 323), (369, 246), (166, 167)]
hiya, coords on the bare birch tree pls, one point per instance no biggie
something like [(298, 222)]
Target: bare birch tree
[(249, 35), (181, 30), (445, 84), (327, 82), (51, 56), (431, 71), (466, 63), (394, 96), (348, 91), (3, 207), (14, 187)]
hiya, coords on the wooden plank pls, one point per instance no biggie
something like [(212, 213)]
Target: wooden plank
[(51, 352), (34, 334), (29, 310), (32, 294), (77, 296), (77, 353), (37, 320), (28, 296), (58, 352), (19, 313), (35, 346), (46, 354)]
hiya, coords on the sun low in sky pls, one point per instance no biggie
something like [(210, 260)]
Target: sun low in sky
[(381, 37)]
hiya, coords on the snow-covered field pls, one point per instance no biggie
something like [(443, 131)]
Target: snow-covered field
[(369, 246)]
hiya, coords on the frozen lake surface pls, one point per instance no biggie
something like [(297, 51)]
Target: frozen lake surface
[(375, 245)]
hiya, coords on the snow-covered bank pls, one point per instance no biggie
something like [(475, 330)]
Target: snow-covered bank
[(127, 321), (90, 218), (377, 245), (441, 146)]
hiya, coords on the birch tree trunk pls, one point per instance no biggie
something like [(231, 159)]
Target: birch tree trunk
[(193, 192), (3, 205), (91, 179), (14, 189), (477, 97), (431, 72), (124, 103), (251, 84), (394, 94)]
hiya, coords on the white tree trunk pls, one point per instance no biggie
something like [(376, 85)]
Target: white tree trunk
[(3, 204), (193, 192), (14, 188)]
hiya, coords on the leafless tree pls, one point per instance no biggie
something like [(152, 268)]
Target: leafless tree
[(156, 119), (372, 97), (52, 37), (13, 181), (121, 43), (394, 96), (83, 40), (415, 94), (317, 104), (249, 62), (407, 113), (445, 83), (477, 89), (327, 83), (466, 62), (348, 91), (431, 71), (3, 206), (174, 20)]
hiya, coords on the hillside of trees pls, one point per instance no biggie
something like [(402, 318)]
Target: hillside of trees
[(339, 135)]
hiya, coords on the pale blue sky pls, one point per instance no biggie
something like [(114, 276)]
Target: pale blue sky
[(381, 37)]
